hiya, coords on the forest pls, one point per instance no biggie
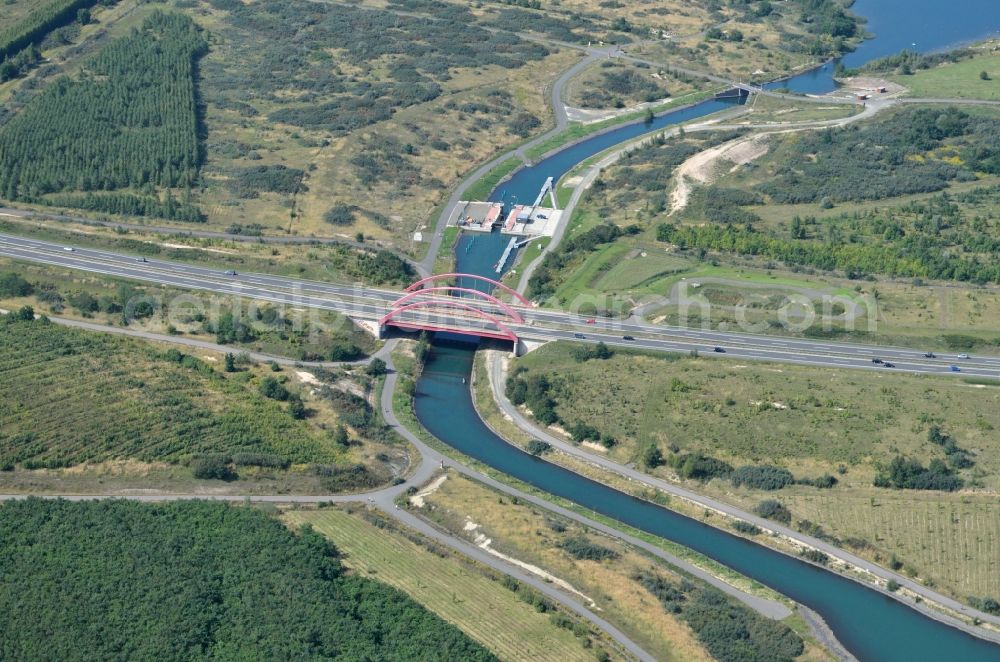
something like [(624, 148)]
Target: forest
[(129, 120), (120, 580)]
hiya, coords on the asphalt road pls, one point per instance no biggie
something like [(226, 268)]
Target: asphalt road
[(540, 324)]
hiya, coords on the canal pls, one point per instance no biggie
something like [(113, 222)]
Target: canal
[(870, 624)]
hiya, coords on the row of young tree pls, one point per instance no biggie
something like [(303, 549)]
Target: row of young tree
[(39, 22), (129, 120), (213, 582)]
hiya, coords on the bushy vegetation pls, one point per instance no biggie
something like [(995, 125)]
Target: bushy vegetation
[(762, 477), (580, 548), (280, 43), (251, 182), (775, 510), (909, 474), (214, 581), (128, 121), (889, 158), (139, 403), (729, 630), (616, 87)]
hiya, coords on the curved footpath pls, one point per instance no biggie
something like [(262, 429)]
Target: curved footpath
[(497, 378)]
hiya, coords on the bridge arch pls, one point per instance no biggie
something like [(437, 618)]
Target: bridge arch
[(448, 289), (503, 332), (509, 290)]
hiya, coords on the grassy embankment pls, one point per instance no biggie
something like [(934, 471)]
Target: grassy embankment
[(845, 423), (957, 80), (298, 333), (464, 594), (150, 414)]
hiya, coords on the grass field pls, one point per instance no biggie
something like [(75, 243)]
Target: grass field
[(952, 540), (757, 412), (448, 585), (771, 109), (959, 80)]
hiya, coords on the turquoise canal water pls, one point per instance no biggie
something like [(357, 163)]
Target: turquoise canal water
[(871, 625)]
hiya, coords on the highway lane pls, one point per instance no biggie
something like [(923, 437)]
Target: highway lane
[(540, 324)]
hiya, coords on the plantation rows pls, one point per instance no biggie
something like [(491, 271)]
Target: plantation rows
[(69, 397), (129, 121)]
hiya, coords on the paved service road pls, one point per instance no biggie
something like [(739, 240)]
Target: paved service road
[(540, 324)]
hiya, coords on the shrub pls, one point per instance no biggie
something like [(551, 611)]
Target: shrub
[(582, 549), (213, 467), (815, 556), (273, 389), (340, 214), (746, 527), (538, 447), (774, 510), (761, 478), (12, 285)]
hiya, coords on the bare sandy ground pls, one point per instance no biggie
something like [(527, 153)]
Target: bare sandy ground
[(703, 167)]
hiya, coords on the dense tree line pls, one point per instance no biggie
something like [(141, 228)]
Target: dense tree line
[(129, 204), (117, 580), (43, 19), (128, 121), (729, 630)]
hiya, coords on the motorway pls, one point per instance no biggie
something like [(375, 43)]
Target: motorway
[(540, 324)]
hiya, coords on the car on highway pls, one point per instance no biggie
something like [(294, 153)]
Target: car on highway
[(231, 272), (592, 320), (542, 216), (954, 368), (877, 361), (720, 350), (930, 355), (141, 259), (69, 248), (579, 335), (628, 337), (886, 364), (963, 356)]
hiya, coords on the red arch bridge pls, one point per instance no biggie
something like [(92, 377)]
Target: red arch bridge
[(452, 303)]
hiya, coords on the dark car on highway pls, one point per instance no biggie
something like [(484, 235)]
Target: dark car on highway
[(720, 350), (877, 361), (930, 355), (628, 337), (888, 365), (579, 335)]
